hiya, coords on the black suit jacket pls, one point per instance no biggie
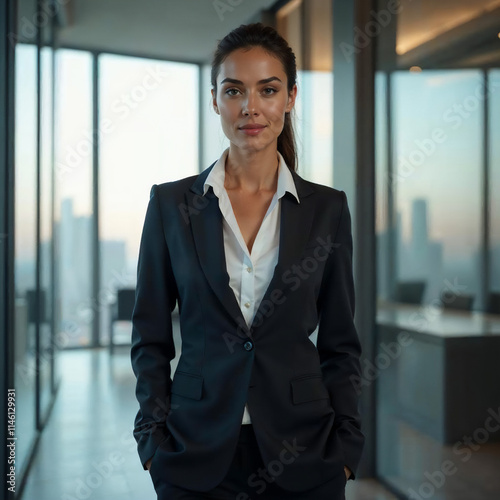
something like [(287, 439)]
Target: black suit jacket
[(302, 399)]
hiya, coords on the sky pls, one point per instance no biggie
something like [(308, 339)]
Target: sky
[(148, 127)]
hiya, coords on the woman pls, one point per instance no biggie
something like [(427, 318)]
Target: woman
[(256, 258)]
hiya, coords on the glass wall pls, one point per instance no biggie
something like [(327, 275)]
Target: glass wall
[(437, 165), (46, 311), (494, 173), (73, 177), (384, 226), (33, 333), (25, 248), (148, 114), (314, 125), (436, 353)]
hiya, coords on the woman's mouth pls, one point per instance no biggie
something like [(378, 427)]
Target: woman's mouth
[(252, 129)]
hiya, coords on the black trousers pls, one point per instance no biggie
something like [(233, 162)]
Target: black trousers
[(247, 460)]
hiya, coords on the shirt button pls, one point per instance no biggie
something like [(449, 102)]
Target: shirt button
[(249, 269), (248, 346), (247, 304)]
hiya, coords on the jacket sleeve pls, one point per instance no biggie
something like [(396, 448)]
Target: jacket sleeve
[(338, 344), (152, 340)]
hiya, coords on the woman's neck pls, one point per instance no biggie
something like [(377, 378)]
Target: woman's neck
[(252, 172)]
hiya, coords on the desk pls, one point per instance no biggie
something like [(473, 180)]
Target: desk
[(446, 378)]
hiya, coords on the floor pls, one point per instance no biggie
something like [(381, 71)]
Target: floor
[(87, 449)]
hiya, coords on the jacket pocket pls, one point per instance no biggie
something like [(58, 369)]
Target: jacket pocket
[(187, 385), (308, 388)]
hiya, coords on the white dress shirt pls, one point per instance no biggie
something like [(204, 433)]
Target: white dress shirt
[(250, 274)]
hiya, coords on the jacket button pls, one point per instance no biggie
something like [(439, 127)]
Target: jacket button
[(248, 345)]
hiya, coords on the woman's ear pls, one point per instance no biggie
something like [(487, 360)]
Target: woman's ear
[(292, 95), (214, 102)]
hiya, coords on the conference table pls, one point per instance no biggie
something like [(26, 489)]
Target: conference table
[(437, 369)]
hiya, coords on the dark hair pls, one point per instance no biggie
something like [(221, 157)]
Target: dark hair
[(253, 35)]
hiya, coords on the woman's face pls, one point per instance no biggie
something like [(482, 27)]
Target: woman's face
[(252, 89)]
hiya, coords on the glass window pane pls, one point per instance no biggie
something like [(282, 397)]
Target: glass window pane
[(46, 199), (382, 222), (314, 125), (25, 247), (437, 134), (148, 135), (429, 155), (73, 210), (494, 110)]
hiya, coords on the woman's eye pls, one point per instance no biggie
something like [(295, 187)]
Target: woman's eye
[(267, 91)]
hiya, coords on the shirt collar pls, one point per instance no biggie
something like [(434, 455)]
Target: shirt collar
[(218, 173)]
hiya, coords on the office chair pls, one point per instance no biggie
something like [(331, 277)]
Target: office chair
[(121, 310), (410, 292), (462, 302), (494, 303)]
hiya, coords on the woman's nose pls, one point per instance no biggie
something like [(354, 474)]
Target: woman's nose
[(250, 105)]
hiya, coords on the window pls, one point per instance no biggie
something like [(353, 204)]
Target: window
[(25, 247), (148, 135), (47, 344), (73, 177), (437, 178), (494, 111)]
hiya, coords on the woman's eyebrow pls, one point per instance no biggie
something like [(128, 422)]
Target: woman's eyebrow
[(266, 80)]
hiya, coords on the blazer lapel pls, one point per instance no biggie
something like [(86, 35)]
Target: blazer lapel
[(206, 223)]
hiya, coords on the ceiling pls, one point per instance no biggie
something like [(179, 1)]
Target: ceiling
[(422, 21), (448, 33), (178, 30), (428, 33)]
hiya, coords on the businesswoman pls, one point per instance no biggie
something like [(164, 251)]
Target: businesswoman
[(256, 258)]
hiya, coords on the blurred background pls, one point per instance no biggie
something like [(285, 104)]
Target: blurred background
[(398, 105)]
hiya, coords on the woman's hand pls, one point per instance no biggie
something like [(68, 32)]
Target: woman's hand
[(346, 470), (148, 463)]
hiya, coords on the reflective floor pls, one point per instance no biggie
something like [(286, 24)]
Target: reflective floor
[(87, 449)]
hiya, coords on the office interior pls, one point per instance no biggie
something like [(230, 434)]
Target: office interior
[(398, 105)]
